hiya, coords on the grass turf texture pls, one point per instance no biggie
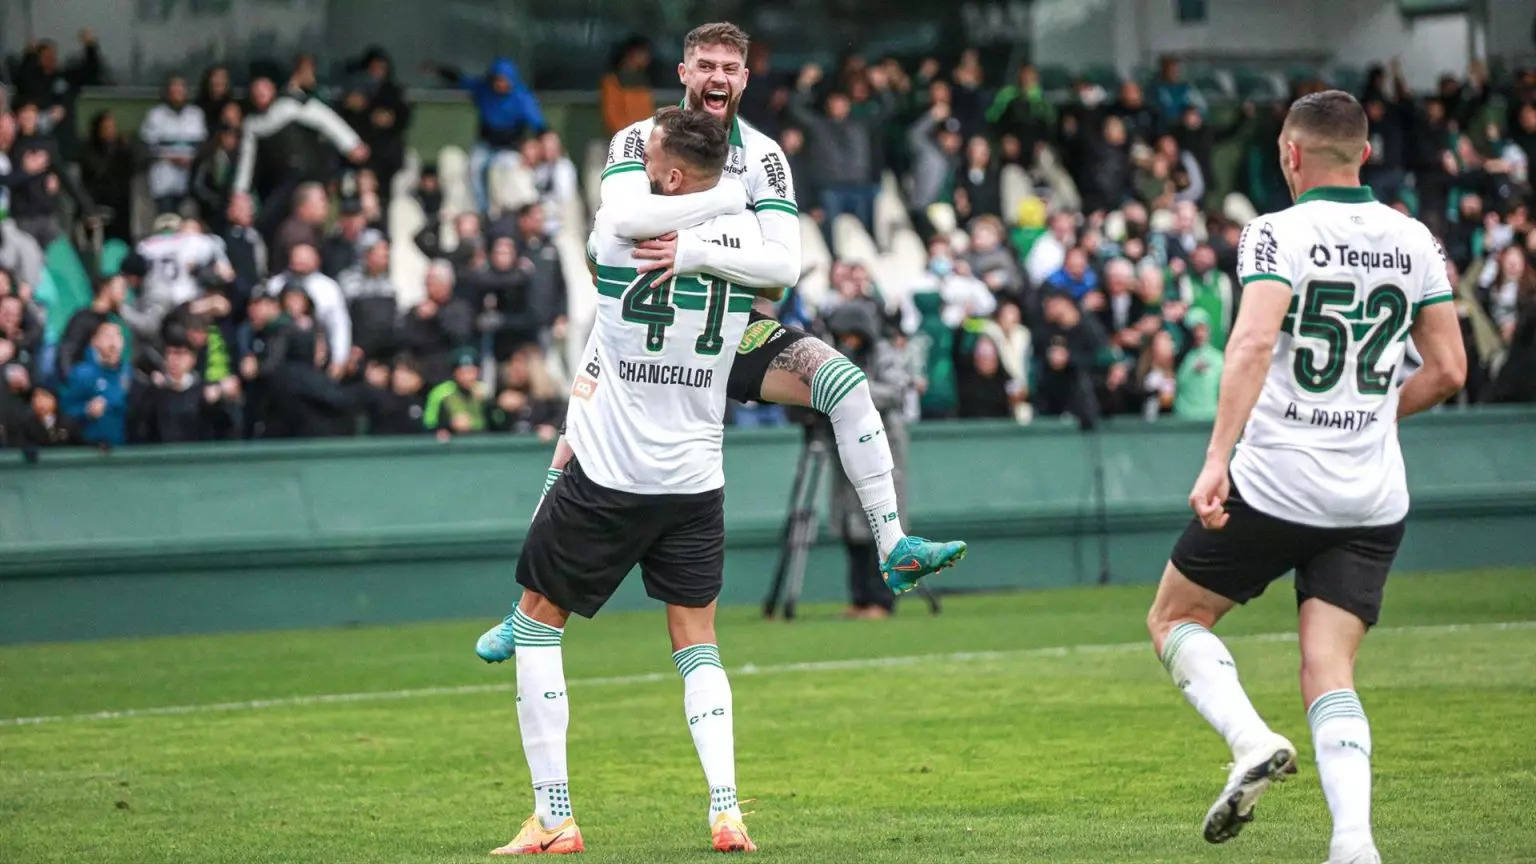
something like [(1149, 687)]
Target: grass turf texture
[(1047, 756)]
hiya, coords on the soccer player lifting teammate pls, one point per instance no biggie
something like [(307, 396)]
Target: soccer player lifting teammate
[(645, 486), (1333, 288), (772, 363)]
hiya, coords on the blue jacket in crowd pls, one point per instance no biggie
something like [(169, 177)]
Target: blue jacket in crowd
[(87, 380), (504, 117)]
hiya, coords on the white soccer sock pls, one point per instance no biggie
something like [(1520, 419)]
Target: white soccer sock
[(707, 704), (840, 391), (550, 477), (1202, 667), (1342, 738), (543, 715)]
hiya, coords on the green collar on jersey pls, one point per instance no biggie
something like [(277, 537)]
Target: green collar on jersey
[(735, 123), (1339, 194)]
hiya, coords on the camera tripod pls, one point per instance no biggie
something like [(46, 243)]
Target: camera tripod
[(800, 530)]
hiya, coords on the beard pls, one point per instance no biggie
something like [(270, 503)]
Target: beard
[(732, 105)]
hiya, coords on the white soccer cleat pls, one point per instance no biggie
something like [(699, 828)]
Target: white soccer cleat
[(1273, 760), (1366, 856)]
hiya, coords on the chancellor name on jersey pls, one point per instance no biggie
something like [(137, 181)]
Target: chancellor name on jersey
[(648, 404), (1320, 447)]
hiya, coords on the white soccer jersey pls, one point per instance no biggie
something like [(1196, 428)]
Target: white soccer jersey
[(648, 405), (1321, 445), (174, 260)]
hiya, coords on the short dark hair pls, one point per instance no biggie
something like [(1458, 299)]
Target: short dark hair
[(718, 33), (696, 137), (1331, 115)]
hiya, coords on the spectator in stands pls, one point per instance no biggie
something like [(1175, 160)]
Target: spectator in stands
[(763, 102), (371, 300), (993, 262), (529, 398), (177, 406), (212, 178), (983, 383), (461, 405), (469, 244), (1119, 310), (105, 306), (540, 259), (172, 132), (1075, 277), (438, 326), (1207, 288), (1183, 169), (288, 140), (844, 151), (807, 193), (499, 294), (107, 166), (624, 95), (967, 94), (96, 393), (303, 400), (45, 425), (217, 101), (1142, 123), (1390, 120), (962, 295), (555, 179), (375, 107), (398, 407), (935, 143), (1199, 377), (1174, 96), (1157, 376), (1505, 287), (508, 112), (1107, 184), (304, 226), (1049, 251), (979, 183), (40, 80), (20, 339), (1177, 245), (35, 198), (1022, 112), (855, 329), (246, 250), (343, 247), (261, 346), (18, 251), (330, 307), (1068, 350)]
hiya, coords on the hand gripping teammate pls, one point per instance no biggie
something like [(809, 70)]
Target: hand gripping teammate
[(1333, 287)]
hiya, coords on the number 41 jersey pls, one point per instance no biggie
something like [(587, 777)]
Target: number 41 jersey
[(1321, 445), (647, 407)]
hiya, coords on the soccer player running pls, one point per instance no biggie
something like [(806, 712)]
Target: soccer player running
[(645, 486), (1333, 286), (773, 363)]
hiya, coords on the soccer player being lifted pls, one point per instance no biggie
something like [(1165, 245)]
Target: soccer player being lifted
[(773, 363), (1332, 289), (645, 487)]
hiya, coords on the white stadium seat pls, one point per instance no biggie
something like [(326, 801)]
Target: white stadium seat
[(815, 262), (1016, 187), (407, 266), (850, 242), (453, 174), (890, 213)]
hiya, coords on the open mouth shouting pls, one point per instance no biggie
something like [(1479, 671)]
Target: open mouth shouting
[(716, 100)]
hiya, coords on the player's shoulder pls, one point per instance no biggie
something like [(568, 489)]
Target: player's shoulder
[(754, 140), (628, 144)]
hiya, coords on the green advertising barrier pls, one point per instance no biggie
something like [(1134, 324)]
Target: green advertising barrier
[(263, 535)]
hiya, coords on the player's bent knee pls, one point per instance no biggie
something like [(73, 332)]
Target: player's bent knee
[(542, 609), (691, 625), (1178, 599)]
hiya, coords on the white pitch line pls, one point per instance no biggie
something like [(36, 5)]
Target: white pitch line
[(748, 669)]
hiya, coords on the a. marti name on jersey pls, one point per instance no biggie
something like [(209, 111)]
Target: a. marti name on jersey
[(663, 373), (1368, 259), (1327, 419)]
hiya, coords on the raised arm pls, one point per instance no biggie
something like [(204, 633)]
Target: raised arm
[(630, 210), (775, 265)]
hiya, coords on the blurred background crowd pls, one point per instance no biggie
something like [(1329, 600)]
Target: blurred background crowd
[(263, 256)]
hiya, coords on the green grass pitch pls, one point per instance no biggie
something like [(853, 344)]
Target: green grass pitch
[(1024, 727)]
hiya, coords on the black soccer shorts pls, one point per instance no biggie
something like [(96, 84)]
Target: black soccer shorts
[(764, 339), (1345, 567), (586, 538)]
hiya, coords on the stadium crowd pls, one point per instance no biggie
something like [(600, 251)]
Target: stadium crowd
[(1039, 254)]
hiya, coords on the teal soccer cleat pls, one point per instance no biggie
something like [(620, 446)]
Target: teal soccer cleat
[(913, 558), (495, 645)]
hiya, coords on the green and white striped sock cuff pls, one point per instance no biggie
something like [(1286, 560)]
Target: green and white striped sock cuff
[(550, 477), (696, 656), (528, 633), (1176, 639), (722, 798), (1333, 705), (835, 379)]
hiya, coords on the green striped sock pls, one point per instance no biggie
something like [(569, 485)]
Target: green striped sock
[(528, 633), (835, 379), (1333, 705), (1176, 639), (696, 656), (550, 477)]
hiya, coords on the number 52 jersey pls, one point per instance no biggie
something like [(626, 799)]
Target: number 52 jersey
[(1321, 447), (647, 408)]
